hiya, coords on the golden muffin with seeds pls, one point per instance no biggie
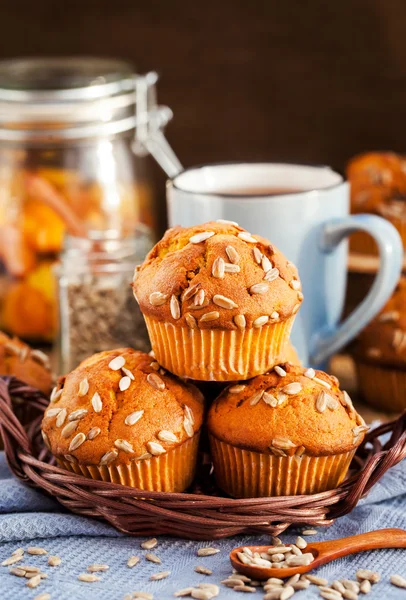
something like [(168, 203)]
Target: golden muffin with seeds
[(219, 303), (291, 431), (380, 355), (120, 417)]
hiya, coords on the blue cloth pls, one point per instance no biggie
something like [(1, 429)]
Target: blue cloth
[(28, 518)]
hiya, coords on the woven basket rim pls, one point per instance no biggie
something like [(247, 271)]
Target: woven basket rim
[(140, 512)]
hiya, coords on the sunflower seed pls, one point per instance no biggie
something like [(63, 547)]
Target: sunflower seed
[(332, 403), (302, 584), (338, 586), (70, 458), (283, 443), (83, 387), (199, 299), (153, 558), (167, 436), (398, 580), (77, 441), (316, 580), (322, 382), (371, 576), (189, 414), (88, 577), (240, 321), (191, 321), (76, 415), (30, 569), (292, 388), (18, 552), (149, 544), (117, 363), (201, 594), (347, 400), (44, 596), (350, 585), (294, 579), (11, 560), (247, 237), (310, 532), (259, 288), (132, 561), (360, 429), (108, 458), (174, 307), (97, 402), (257, 255), (298, 561), (159, 576), (124, 446), (236, 389), (207, 551), (201, 237), (155, 449), (278, 548), (54, 561), (157, 298), (55, 394), (52, 412), (36, 551), (45, 439), (124, 383), (329, 594), (275, 315), (144, 456), (281, 372), (156, 382), (266, 264), (133, 417), (272, 275), (260, 321), (233, 255), (210, 316), (269, 399), (96, 568), (295, 284), (278, 452), (188, 427), (223, 301), (60, 419), (281, 397), (310, 373), (183, 592), (190, 291), (365, 586), (203, 570), (301, 543), (274, 594), (399, 340), (392, 315), (349, 595), (255, 398), (40, 357), (287, 593), (17, 572), (34, 582), (321, 402), (230, 268), (279, 557), (69, 429), (218, 268)]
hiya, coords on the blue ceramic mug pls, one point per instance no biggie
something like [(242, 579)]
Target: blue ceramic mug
[(304, 211)]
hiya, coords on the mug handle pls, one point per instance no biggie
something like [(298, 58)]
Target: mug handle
[(326, 342)]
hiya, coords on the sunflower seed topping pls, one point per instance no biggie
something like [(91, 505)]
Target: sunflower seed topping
[(259, 288), (321, 402), (272, 275), (269, 399), (392, 315), (247, 237), (191, 321), (310, 373), (240, 321), (157, 298), (124, 383), (223, 301), (292, 388), (190, 291), (295, 284), (347, 400), (398, 581), (201, 237), (281, 372), (108, 458), (132, 561), (332, 403), (149, 544), (210, 316), (159, 576), (96, 568), (97, 402), (258, 322), (174, 307), (266, 264), (153, 558), (77, 441), (167, 436), (283, 444), (322, 382), (76, 415), (188, 427), (145, 456), (133, 417), (93, 433), (257, 255), (218, 268), (399, 340), (155, 449), (52, 412), (232, 255), (360, 429), (117, 363), (230, 268), (236, 389), (203, 570), (56, 394), (60, 419), (83, 387), (124, 446), (255, 398), (70, 459), (69, 429), (156, 381), (88, 577), (40, 357), (275, 315), (189, 414)]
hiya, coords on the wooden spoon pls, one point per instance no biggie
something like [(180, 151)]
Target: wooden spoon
[(323, 552)]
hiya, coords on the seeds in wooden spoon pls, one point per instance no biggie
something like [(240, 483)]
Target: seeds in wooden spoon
[(301, 543), (207, 551)]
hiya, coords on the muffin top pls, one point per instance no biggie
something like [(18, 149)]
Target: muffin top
[(217, 275), (120, 406), (378, 183), (383, 341), (290, 410), (28, 365)]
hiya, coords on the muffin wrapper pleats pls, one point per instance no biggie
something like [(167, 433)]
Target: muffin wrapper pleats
[(170, 472), (218, 354), (246, 474), (382, 387)]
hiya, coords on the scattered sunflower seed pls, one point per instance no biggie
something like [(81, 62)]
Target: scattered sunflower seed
[(398, 580), (18, 552), (207, 551), (95, 568), (30, 569), (365, 586), (17, 571), (201, 594), (11, 561), (245, 588), (159, 576), (201, 237), (132, 561), (301, 543), (54, 561), (329, 594), (338, 586), (184, 592), (203, 570), (36, 551), (88, 577), (44, 596), (34, 582), (153, 558), (287, 593), (371, 576), (117, 363)]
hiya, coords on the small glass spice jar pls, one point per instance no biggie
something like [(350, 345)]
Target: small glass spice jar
[(97, 309)]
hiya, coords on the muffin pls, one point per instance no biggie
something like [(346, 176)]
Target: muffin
[(378, 186), (28, 365), (291, 431), (120, 417), (380, 355), (218, 302)]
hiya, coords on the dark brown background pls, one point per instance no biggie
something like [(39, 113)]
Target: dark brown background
[(313, 81)]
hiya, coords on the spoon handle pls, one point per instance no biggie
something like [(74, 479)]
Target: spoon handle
[(382, 538)]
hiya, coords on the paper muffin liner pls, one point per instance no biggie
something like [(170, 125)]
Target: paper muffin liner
[(170, 472), (382, 387), (218, 354), (246, 474)]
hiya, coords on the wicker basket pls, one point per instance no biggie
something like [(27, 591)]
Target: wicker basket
[(194, 515)]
